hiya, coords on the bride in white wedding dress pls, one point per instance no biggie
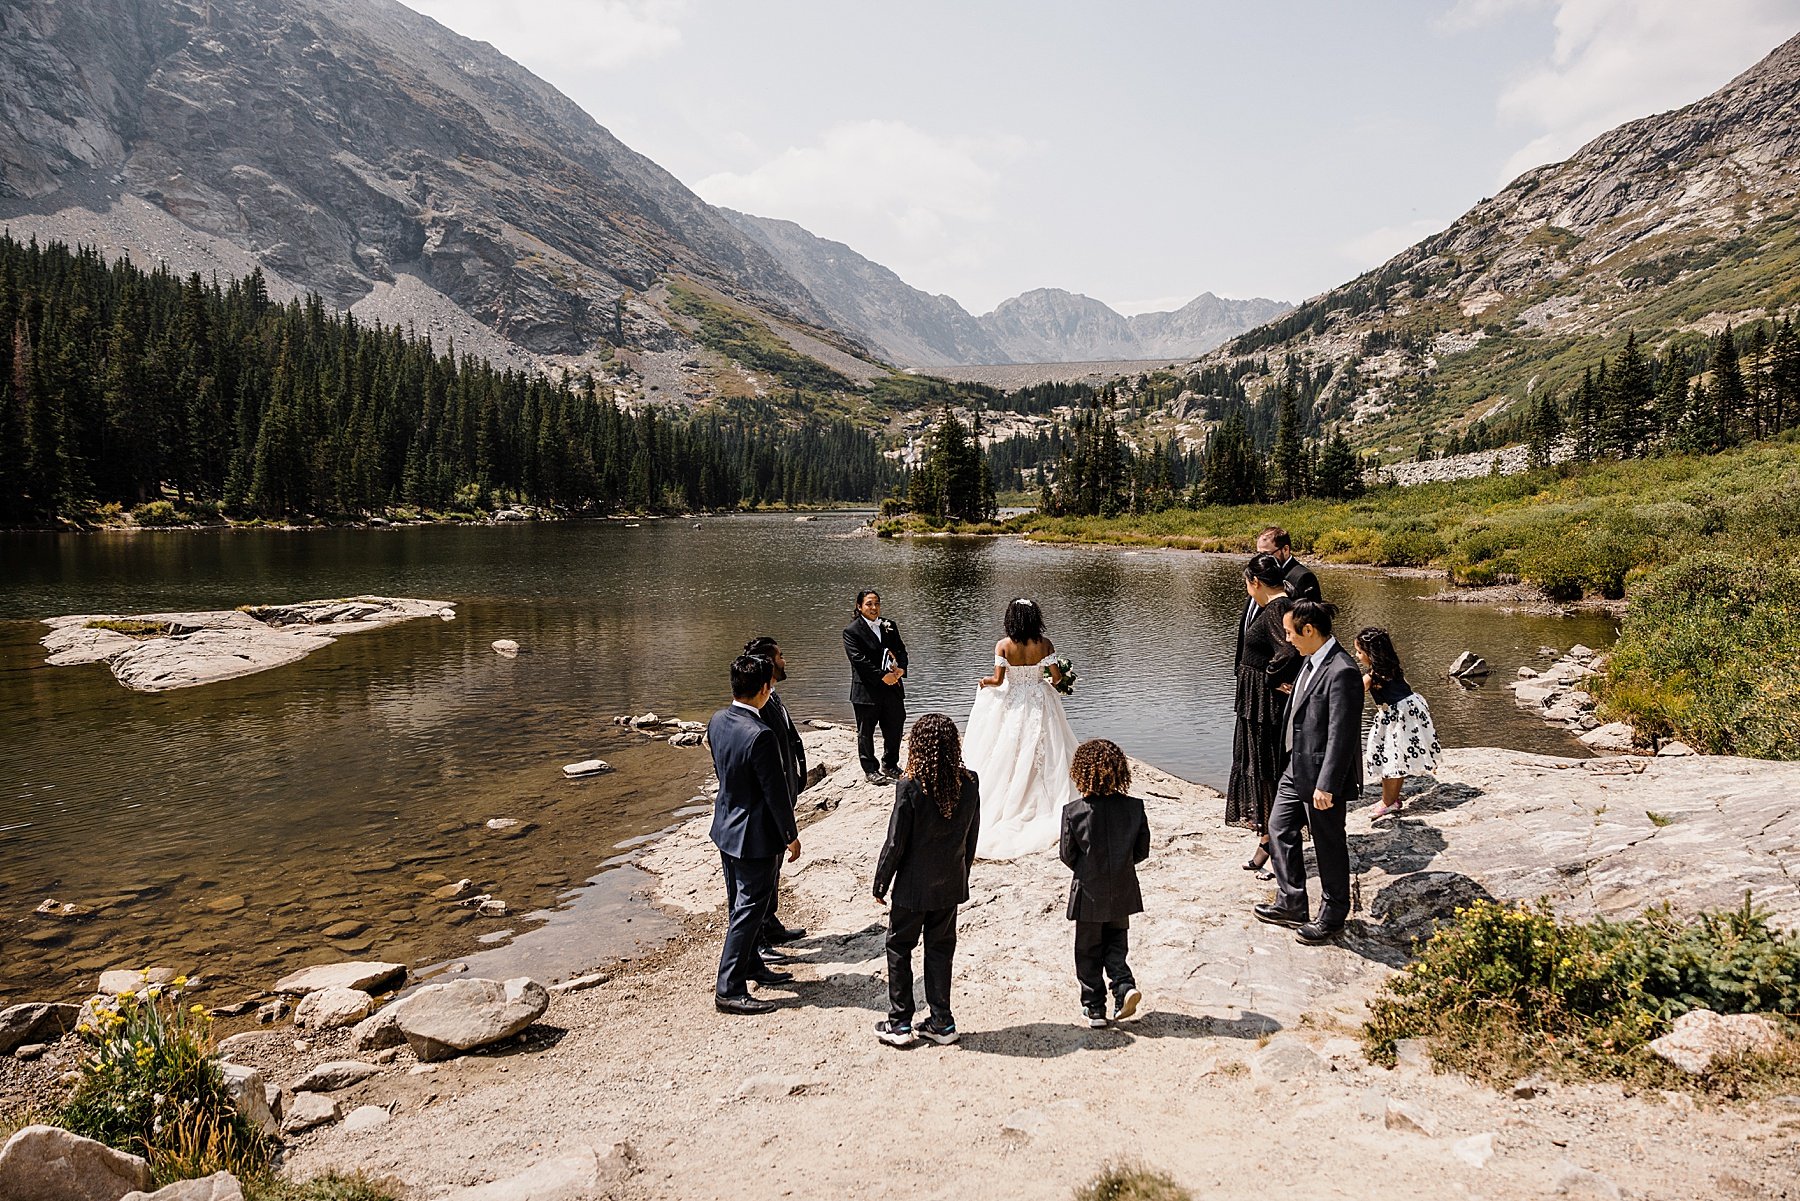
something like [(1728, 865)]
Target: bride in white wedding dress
[(1019, 742)]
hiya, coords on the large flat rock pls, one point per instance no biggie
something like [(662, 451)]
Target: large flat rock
[(206, 647)]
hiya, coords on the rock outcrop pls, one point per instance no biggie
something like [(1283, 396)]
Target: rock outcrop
[(156, 652)]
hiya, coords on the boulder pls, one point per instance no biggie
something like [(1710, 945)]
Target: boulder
[(687, 738), (377, 1032), (1528, 673), (309, 1110), (587, 1173), (365, 1117), (1285, 1059), (1469, 664), (1672, 750), (506, 648), (332, 1076), (44, 1163), (249, 1092), (1700, 1038), (363, 976), (35, 1022), (441, 1020), (220, 1186), (1614, 736), (450, 892), (332, 1008), (587, 767)]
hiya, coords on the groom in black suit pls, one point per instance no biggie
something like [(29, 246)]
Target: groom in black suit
[(1324, 773), (1297, 577), (793, 769), (753, 822), (877, 667)]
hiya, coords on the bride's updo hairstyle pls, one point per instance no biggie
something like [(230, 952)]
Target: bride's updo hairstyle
[(934, 761), (1024, 621), (1265, 571), (1100, 769)]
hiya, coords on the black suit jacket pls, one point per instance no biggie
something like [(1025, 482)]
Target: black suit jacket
[(864, 652), (1104, 838), (927, 856), (753, 815), (1327, 718), (787, 741), (1300, 582)]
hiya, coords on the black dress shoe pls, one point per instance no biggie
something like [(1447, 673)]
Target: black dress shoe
[(770, 976), (1315, 933), (1275, 915), (745, 1004), (875, 777), (772, 953), (780, 933)]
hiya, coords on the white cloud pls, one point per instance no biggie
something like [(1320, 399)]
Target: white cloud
[(1616, 60), (557, 36), (919, 204), (1472, 14), (1379, 245)]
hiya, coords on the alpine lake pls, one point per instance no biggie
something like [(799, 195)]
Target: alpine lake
[(239, 830)]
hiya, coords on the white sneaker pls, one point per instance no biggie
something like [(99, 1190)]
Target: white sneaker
[(1128, 1004)]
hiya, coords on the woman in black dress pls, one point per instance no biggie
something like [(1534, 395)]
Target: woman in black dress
[(1266, 667)]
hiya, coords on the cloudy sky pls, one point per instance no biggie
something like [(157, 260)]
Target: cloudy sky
[(1138, 152)]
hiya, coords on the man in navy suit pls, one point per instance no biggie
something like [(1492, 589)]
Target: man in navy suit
[(753, 822), (793, 763), (1324, 774)]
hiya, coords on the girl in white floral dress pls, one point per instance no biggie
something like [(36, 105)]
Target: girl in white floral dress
[(1402, 740)]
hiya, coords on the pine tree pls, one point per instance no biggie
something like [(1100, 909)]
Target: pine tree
[(1625, 404), (1546, 431), (1234, 468), (1290, 450), (1728, 393), (1340, 471), (1784, 377)]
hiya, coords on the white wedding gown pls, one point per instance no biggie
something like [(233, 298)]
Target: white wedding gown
[(1020, 744)]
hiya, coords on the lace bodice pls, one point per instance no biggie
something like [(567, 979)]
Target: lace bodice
[(1026, 676)]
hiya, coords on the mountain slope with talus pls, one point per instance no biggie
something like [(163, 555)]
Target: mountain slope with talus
[(362, 150), (1668, 226)]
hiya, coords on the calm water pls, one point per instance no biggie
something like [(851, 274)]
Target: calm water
[(223, 829)]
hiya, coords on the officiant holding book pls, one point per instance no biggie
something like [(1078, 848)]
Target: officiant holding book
[(877, 657)]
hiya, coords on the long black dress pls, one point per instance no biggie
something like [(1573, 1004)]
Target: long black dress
[(1268, 661)]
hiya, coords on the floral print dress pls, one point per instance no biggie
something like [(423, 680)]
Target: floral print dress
[(1402, 740)]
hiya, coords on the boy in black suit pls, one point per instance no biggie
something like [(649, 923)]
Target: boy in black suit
[(1104, 837)]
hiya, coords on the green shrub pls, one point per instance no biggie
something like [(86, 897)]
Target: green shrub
[(1503, 990), (131, 627), (1125, 1180), (1412, 546), (1348, 546), (201, 509), (332, 1186), (155, 512), (1707, 654), (150, 1085)]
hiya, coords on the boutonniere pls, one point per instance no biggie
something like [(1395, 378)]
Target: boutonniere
[(886, 624)]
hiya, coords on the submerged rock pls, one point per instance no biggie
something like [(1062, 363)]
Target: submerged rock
[(587, 767), (361, 975)]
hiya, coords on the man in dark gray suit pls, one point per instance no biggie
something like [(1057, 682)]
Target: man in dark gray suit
[(1297, 577), (793, 768), (1324, 773), (753, 822)]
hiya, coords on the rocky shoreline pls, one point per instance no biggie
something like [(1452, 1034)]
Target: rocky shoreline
[(630, 1086)]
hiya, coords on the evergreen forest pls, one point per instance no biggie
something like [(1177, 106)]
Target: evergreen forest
[(168, 395)]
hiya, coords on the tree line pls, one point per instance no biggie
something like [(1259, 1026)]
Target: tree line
[(125, 386)]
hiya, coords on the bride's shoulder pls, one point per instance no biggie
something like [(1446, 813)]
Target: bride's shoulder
[(1001, 647)]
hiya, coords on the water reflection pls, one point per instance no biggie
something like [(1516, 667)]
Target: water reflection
[(229, 826)]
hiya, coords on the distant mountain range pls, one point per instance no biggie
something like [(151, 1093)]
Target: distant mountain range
[(1047, 325), (1667, 227)]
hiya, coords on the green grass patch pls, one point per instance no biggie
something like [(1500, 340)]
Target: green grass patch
[(1503, 991), (740, 336), (131, 627), (331, 1186), (1128, 1180)]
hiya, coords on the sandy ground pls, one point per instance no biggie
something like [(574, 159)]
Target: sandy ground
[(1240, 1077)]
